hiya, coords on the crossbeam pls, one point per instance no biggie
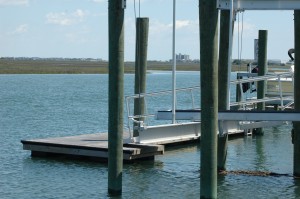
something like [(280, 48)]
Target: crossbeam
[(195, 115), (259, 4)]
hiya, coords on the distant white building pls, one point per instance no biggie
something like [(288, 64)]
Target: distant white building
[(182, 57)]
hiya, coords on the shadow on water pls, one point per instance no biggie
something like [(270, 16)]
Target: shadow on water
[(260, 158)]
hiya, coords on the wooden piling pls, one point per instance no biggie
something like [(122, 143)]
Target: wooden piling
[(262, 66), (142, 26), (296, 125), (238, 94), (115, 96), (209, 98), (262, 70), (223, 82)]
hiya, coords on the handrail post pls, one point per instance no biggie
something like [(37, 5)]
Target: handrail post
[(128, 117), (193, 100), (280, 92)]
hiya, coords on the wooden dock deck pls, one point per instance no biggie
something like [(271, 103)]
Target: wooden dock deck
[(92, 146)]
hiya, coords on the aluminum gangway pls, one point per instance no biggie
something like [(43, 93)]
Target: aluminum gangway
[(242, 119)]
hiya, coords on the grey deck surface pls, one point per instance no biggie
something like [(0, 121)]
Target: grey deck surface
[(90, 145)]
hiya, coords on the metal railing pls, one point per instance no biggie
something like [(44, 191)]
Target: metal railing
[(135, 118), (191, 92), (269, 77)]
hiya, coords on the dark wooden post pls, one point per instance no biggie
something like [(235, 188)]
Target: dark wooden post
[(209, 99), (262, 70), (115, 96), (296, 125), (142, 26), (223, 82)]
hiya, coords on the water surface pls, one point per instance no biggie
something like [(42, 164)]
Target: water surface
[(38, 106)]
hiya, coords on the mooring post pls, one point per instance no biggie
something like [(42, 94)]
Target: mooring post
[(222, 84), (262, 70), (142, 26), (115, 96), (208, 14), (238, 94), (296, 125)]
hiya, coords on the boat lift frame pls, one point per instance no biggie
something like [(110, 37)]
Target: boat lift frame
[(259, 4), (240, 121)]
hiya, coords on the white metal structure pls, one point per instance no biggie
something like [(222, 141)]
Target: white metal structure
[(235, 115), (229, 122), (259, 4), (174, 64)]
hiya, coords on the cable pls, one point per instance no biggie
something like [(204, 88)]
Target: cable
[(134, 9), (242, 31), (240, 38), (238, 49)]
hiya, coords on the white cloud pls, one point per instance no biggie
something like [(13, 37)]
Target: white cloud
[(187, 24), (99, 1), (66, 19), (158, 27), (14, 2), (182, 23), (20, 29)]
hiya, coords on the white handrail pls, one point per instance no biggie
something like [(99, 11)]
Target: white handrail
[(281, 98)]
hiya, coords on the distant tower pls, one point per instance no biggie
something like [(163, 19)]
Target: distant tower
[(256, 50)]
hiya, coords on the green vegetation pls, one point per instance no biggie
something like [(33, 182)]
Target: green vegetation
[(11, 66), (78, 66)]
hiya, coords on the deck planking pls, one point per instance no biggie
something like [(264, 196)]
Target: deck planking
[(89, 146)]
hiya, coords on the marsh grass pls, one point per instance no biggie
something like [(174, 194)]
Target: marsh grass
[(30, 66)]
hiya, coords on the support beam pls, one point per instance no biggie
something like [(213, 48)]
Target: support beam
[(142, 26), (209, 102), (115, 96), (260, 4), (296, 125), (195, 115), (223, 82), (262, 70)]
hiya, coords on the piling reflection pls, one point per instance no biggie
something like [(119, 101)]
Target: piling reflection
[(260, 157)]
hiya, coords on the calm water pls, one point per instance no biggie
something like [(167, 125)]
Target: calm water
[(37, 106)]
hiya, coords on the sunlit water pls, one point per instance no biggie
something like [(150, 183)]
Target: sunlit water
[(38, 106)]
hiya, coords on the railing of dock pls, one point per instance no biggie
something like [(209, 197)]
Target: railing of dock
[(270, 97), (190, 98)]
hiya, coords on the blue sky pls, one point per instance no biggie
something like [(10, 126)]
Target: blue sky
[(79, 29)]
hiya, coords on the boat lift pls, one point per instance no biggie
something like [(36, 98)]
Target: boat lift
[(187, 127)]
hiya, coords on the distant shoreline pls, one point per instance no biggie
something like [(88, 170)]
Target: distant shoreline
[(13, 66)]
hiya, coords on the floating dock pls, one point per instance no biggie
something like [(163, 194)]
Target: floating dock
[(90, 146)]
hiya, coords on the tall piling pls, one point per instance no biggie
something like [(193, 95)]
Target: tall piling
[(209, 99), (262, 70), (296, 125), (222, 84), (142, 26), (115, 96)]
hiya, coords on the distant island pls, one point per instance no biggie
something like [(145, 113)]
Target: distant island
[(21, 65)]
